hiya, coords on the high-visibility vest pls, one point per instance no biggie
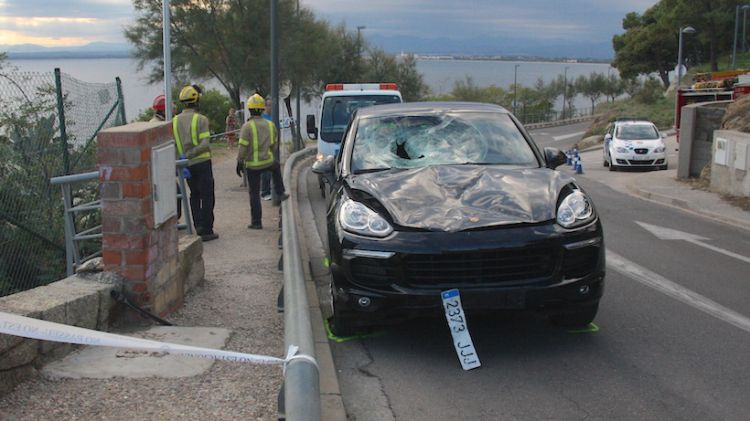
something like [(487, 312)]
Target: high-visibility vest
[(194, 135), (256, 161)]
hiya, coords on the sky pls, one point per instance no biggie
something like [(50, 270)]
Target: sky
[(502, 25)]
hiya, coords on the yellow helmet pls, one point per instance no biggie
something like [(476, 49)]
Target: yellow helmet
[(256, 102), (189, 94)]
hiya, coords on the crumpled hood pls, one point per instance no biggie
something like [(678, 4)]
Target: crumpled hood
[(455, 198)]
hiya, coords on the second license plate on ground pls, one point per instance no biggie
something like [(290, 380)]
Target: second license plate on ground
[(454, 314)]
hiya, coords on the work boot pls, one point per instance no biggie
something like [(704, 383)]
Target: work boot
[(255, 226), (209, 237)]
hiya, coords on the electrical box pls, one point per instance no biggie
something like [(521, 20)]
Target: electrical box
[(164, 189), (720, 153)]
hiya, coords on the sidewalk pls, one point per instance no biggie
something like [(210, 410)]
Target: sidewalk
[(663, 187), (241, 286)]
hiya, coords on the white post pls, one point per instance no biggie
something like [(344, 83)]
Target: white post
[(167, 62)]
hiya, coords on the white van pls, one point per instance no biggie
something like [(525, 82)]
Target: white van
[(339, 102)]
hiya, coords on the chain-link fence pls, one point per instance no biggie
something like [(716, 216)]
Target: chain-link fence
[(48, 126)]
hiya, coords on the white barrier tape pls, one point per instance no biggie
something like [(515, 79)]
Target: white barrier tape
[(12, 324)]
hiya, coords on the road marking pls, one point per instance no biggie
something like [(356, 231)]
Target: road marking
[(676, 291), (671, 234), (567, 136)]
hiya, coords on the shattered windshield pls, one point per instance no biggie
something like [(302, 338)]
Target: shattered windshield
[(637, 132), (410, 141)]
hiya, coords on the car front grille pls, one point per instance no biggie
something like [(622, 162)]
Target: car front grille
[(644, 162), (641, 151), (580, 262), (476, 268)]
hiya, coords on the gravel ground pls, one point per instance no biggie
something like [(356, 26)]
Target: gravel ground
[(239, 293)]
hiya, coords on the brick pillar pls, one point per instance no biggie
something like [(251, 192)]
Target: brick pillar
[(145, 256)]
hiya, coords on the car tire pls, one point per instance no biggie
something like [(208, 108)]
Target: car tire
[(664, 167), (581, 317), (612, 167), (340, 326), (606, 163)]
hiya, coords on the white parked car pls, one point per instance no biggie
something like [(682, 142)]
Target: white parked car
[(634, 143)]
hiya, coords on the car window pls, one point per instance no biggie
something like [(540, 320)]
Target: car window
[(338, 109), (637, 132), (410, 141)]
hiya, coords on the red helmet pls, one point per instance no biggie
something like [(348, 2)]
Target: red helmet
[(159, 103)]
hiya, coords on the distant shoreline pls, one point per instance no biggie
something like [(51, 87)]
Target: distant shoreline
[(63, 55)]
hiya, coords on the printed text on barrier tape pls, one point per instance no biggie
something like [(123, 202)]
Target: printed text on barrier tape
[(12, 324)]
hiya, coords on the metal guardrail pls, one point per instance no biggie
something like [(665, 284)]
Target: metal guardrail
[(301, 379), (73, 257), (72, 252)]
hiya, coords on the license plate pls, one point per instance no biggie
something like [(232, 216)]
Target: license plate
[(454, 314), (641, 158)]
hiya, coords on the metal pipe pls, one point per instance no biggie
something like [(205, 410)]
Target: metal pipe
[(61, 121), (515, 87), (166, 41), (74, 178), (121, 100), (736, 28), (301, 381)]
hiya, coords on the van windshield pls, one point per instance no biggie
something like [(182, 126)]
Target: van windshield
[(338, 109)]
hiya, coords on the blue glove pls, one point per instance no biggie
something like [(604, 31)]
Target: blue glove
[(185, 173)]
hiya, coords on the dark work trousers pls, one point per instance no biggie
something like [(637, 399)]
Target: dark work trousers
[(253, 187), (202, 199), (265, 183)]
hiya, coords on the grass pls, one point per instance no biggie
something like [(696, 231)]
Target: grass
[(724, 62), (660, 113)]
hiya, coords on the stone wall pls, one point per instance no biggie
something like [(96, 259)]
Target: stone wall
[(697, 125), (80, 300)]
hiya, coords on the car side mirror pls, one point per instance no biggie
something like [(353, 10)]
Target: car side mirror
[(324, 166), (554, 157), (312, 131), (663, 135), (607, 137)]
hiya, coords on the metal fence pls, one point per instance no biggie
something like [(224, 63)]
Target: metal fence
[(534, 118), (48, 126)]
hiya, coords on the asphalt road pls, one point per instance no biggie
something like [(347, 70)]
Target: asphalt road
[(673, 340)]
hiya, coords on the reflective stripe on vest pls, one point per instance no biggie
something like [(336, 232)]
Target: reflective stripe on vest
[(256, 162), (194, 136)]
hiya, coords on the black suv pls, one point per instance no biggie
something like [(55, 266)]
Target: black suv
[(428, 197)]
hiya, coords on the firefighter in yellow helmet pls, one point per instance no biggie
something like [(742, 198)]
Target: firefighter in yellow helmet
[(255, 156), (191, 135)]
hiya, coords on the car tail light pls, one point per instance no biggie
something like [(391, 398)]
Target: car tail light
[(335, 87), (388, 86)]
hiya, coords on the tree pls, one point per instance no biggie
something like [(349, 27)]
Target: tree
[(648, 45), (592, 87), (613, 87), (229, 41)]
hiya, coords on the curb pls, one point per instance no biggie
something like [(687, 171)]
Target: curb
[(685, 206)]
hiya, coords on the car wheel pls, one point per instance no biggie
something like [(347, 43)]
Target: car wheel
[(612, 167), (340, 326), (664, 167), (581, 317), (606, 163)]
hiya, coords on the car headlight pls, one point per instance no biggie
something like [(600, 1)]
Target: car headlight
[(575, 209), (358, 218), (620, 149), (660, 149)]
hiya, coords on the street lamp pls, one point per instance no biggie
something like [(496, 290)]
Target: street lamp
[(359, 39), (515, 87), (744, 27), (684, 30), (736, 28), (565, 92)]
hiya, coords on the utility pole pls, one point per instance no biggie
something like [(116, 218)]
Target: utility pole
[(275, 80), (565, 92), (298, 141), (515, 87), (167, 61), (744, 28), (736, 28)]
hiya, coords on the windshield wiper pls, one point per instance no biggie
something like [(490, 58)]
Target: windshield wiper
[(371, 170)]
